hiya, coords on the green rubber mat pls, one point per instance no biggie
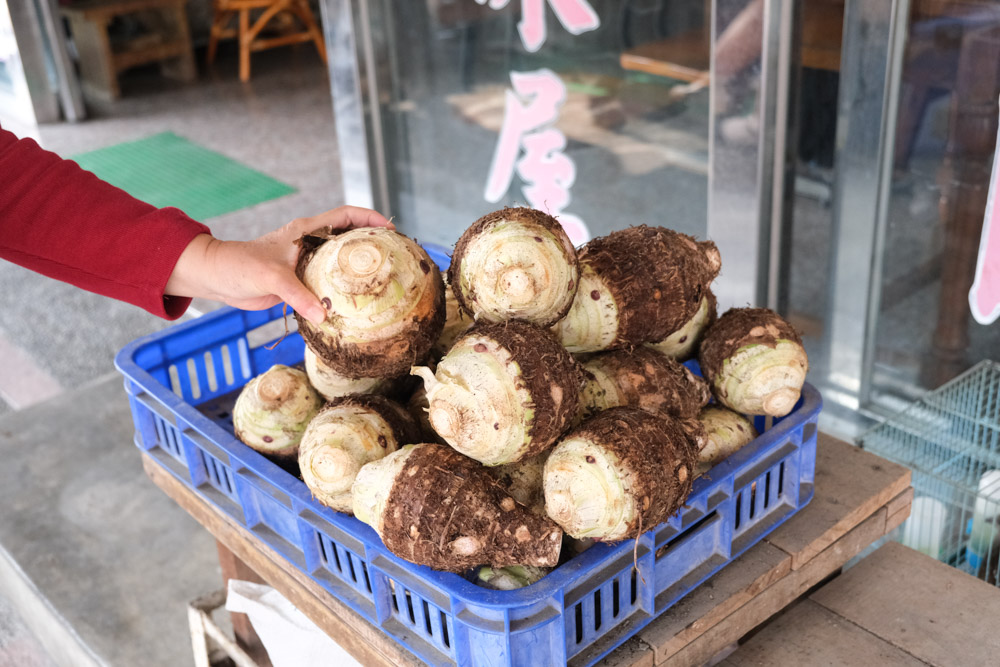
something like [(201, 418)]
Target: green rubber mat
[(168, 170)]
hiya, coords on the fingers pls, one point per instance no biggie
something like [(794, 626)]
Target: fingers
[(302, 301), (342, 217)]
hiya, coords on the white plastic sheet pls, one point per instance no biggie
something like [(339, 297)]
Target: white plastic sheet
[(291, 639)]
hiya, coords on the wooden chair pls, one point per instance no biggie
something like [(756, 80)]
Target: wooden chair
[(281, 12)]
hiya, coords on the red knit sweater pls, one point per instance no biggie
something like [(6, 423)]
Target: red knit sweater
[(64, 222)]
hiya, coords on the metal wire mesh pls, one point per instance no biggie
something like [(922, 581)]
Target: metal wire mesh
[(951, 440)]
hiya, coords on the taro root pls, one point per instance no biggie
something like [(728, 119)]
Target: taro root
[(456, 321), (503, 393), (331, 384), (432, 506), (516, 263), (523, 481), (754, 362), (273, 409), (642, 378), (510, 578), (384, 301), (726, 432), (618, 474), (637, 285), (683, 343), (345, 435)]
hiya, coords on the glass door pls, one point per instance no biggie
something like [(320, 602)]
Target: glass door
[(603, 113)]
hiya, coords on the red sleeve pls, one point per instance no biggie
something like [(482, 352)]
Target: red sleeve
[(66, 223)]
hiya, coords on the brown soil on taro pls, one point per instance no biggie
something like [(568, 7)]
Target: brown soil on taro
[(656, 383), (441, 496), (656, 451), (382, 358), (404, 429), (739, 327), (548, 371), (656, 276), (519, 214)]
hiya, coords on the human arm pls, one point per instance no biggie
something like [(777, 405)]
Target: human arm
[(63, 222), (260, 273)]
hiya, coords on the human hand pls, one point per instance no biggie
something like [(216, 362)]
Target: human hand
[(258, 274)]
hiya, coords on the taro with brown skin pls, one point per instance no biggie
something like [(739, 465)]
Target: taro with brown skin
[(432, 506), (516, 263), (683, 343), (754, 361), (345, 435), (618, 474), (384, 301), (273, 409), (637, 285), (503, 393), (642, 378)]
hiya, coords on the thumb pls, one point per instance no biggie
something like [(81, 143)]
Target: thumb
[(302, 301)]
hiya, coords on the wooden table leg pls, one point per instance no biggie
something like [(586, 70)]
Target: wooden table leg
[(246, 636)]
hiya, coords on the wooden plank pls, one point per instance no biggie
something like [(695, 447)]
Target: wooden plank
[(930, 610), (776, 597), (633, 653), (365, 642), (721, 595), (850, 485), (899, 509), (808, 634)]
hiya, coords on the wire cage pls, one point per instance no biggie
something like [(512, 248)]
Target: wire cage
[(950, 439)]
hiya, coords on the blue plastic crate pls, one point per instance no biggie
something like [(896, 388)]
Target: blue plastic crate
[(182, 383)]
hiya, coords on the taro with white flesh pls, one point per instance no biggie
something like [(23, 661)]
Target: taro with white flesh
[(456, 321), (683, 343), (383, 297), (618, 474), (516, 263), (642, 378), (510, 578), (523, 481), (273, 409), (754, 362), (331, 384), (504, 392), (432, 506), (726, 432), (638, 285), (345, 435)]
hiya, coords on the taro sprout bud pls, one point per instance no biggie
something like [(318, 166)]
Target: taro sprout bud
[(384, 301), (754, 361), (331, 384), (273, 409), (504, 392), (517, 263), (435, 507)]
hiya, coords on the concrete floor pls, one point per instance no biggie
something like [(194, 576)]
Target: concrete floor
[(96, 564)]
